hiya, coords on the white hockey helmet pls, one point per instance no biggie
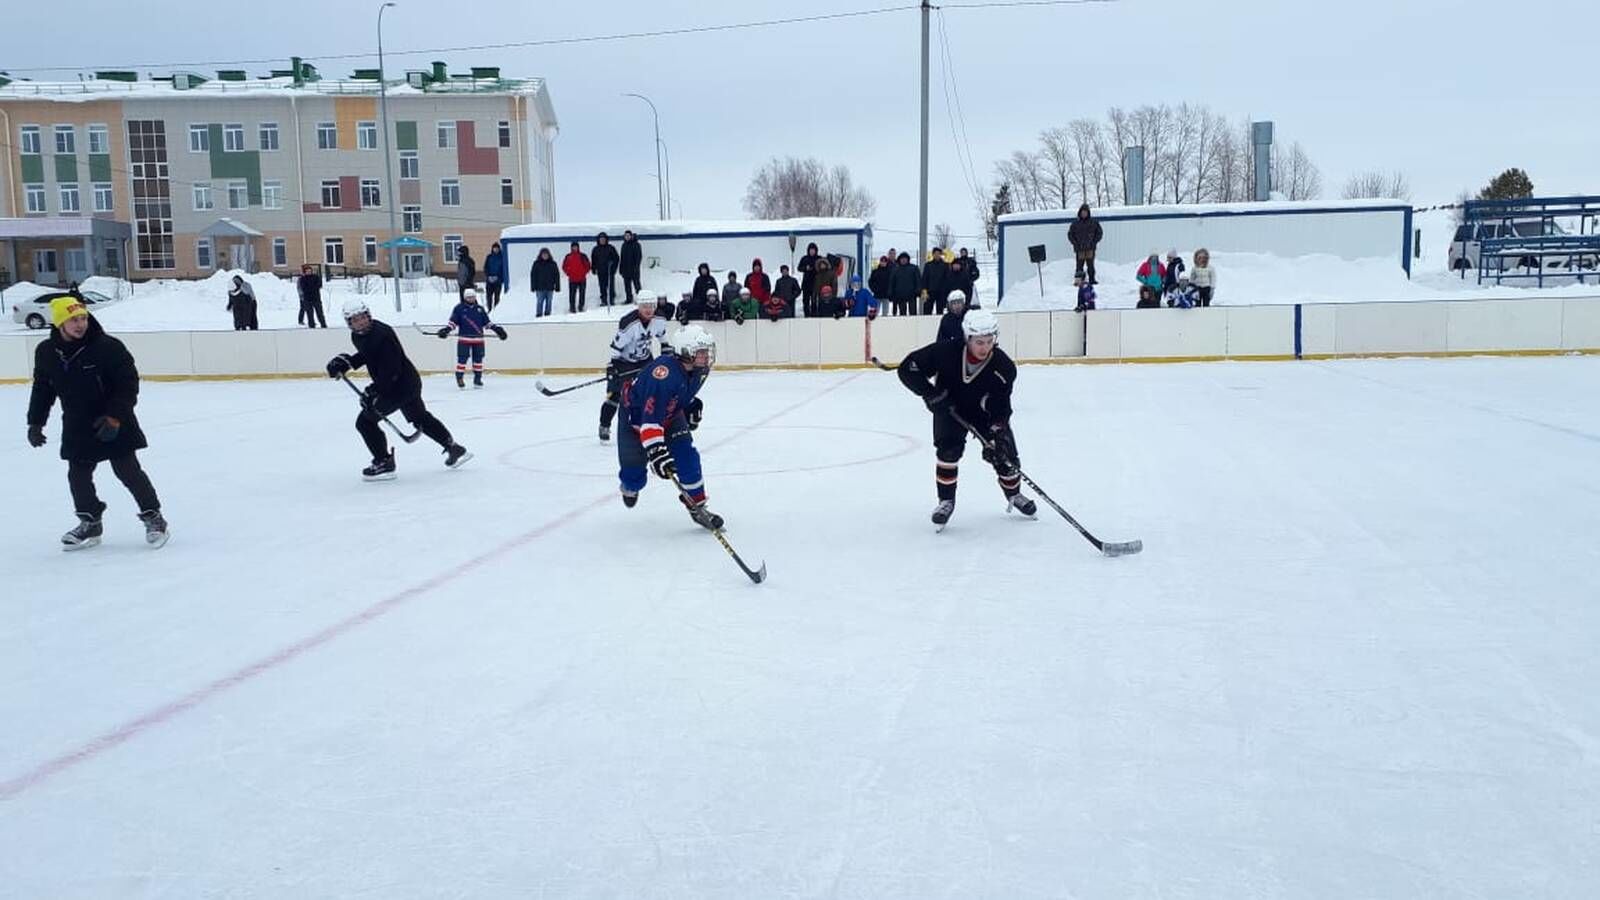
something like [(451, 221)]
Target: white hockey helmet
[(355, 306), (645, 298), (690, 340), (957, 297), (980, 323), (744, 292)]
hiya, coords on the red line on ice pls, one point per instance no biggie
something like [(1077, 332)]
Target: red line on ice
[(134, 727)]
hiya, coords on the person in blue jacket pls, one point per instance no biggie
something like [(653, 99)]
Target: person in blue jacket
[(863, 303), (494, 275), (470, 322), (660, 411)]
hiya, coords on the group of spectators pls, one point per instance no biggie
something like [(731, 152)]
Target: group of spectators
[(1176, 283)]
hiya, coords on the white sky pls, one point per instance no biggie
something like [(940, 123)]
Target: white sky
[(1401, 84)]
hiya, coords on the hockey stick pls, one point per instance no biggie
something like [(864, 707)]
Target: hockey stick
[(755, 575), (883, 365), (582, 384), (1109, 548), (434, 332), (408, 438)]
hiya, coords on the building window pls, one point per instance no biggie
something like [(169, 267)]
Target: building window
[(411, 219), (30, 140), (99, 139), (280, 253), (413, 264), (507, 193), (202, 253), (272, 195), (35, 194), (452, 246), (233, 138), (269, 135), (202, 196), (199, 139), (150, 189), (113, 260), (449, 192), (66, 139), (371, 196), (330, 194), (327, 136), (238, 195), (409, 164), (505, 135), (333, 251), (69, 198), (367, 135), (447, 135), (103, 197), (369, 250)]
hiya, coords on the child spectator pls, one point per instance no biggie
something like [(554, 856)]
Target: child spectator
[(744, 306), (1204, 278), (714, 310), (1175, 268), (1086, 297), (827, 276), (1184, 295), (830, 306), (1151, 276), (730, 292), (861, 301)]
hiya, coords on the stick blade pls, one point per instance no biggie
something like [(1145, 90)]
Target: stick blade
[(1121, 548), (759, 575), (542, 389)]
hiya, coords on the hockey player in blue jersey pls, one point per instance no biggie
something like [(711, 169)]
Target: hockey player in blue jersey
[(470, 322), (660, 409)]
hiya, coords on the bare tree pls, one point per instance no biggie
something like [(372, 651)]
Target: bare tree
[(790, 187), (1121, 140), (1295, 175), (1023, 173), (1055, 158), (942, 235), (1374, 184), (1181, 152)]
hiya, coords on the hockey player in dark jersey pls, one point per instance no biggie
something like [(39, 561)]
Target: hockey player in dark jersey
[(972, 378), (631, 349), (395, 386), (470, 322), (660, 410)]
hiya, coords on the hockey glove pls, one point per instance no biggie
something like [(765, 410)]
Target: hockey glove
[(738, 316), (339, 365), (693, 413), (35, 436), (443, 332), (369, 399), (1001, 451), (498, 331), (937, 401), (660, 457), (106, 429)]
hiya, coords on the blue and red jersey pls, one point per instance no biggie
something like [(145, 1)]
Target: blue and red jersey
[(662, 391), (470, 321)]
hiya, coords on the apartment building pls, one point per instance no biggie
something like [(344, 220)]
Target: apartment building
[(268, 172)]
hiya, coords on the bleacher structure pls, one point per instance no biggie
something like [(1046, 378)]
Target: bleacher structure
[(1524, 240)]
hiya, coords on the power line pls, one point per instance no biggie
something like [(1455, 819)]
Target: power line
[(969, 171), (507, 45)]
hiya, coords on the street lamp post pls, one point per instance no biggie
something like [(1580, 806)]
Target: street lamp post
[(388, 165), (661, 184), (667, 157)]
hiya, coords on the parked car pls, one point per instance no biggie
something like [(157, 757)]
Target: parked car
[(1469, 239), (34, 312)]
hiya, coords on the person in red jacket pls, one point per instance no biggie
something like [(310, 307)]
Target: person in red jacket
[(576, 267), (759, 283)]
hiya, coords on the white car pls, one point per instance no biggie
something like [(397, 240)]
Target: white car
[(34, 312)]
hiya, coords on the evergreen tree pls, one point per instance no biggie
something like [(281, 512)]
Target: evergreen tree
[(1512, 184)]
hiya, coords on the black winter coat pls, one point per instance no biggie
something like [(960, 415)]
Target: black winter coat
[(702, 284), (936, 280), (787, 288), (310, 287), (386, 361), (878, 281), (904, 282), (1084, 233), (92, 377), (546, 275), (604, 259), (984, 401), (632, 257), (807, 267)]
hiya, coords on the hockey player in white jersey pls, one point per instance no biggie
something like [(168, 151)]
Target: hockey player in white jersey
[(631, 350)]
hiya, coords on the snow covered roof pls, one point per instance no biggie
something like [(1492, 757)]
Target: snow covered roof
[(1199, 209), (98, 89), (62, 226), (685, 227), (226, 227)]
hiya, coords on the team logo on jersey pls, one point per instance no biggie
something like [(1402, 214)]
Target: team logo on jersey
[(659, 373)]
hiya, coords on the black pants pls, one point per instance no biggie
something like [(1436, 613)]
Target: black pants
[(630, 284), (80, 478), (312, 311), (492, 288), (949, 443), (575, 295), (930, 304), (608, 287), (1205, 296), (415, 412), (618, 374), (1085, 261)]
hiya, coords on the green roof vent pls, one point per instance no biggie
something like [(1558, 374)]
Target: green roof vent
[(231, 75), (117, 75)]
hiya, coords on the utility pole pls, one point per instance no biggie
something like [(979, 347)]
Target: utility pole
[(388, 166), (661, 182), (922, 216)]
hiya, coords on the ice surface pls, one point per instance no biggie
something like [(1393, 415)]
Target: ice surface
[(1356, 658)]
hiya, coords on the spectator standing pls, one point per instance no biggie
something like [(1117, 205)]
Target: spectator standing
[(576, 266), (787, 290), (494, 276), (1175, 267), (310, 288), (730, 291), (950, 322), (546, 278), (1151, 275), (632, 263), (242, 303), (878, 281), (759, 283), (603, 258), (1085, 234), (466, 272), (904, 283), (935, 283), (969, 265), (807, 267), (1203, 277), (827, 275), (704, 281)]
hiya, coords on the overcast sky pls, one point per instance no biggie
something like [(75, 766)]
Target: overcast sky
[(1403, 84)]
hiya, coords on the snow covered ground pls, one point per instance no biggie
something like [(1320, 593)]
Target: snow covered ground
[(1356, 658)]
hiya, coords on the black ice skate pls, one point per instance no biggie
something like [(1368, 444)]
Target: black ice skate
[(701, 515), (461, 381), (86, 535), (630, 499), (477, 380), (382, 468), (456, 456), (1022, 504), (942, 513), (155, 528), (605, 433)]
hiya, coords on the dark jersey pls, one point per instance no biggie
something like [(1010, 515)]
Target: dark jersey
[(982, 397), (380, 351)]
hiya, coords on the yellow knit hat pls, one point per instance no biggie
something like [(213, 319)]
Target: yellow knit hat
[(64, 308)]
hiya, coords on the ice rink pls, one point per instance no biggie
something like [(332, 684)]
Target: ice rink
[(1357, 658)]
